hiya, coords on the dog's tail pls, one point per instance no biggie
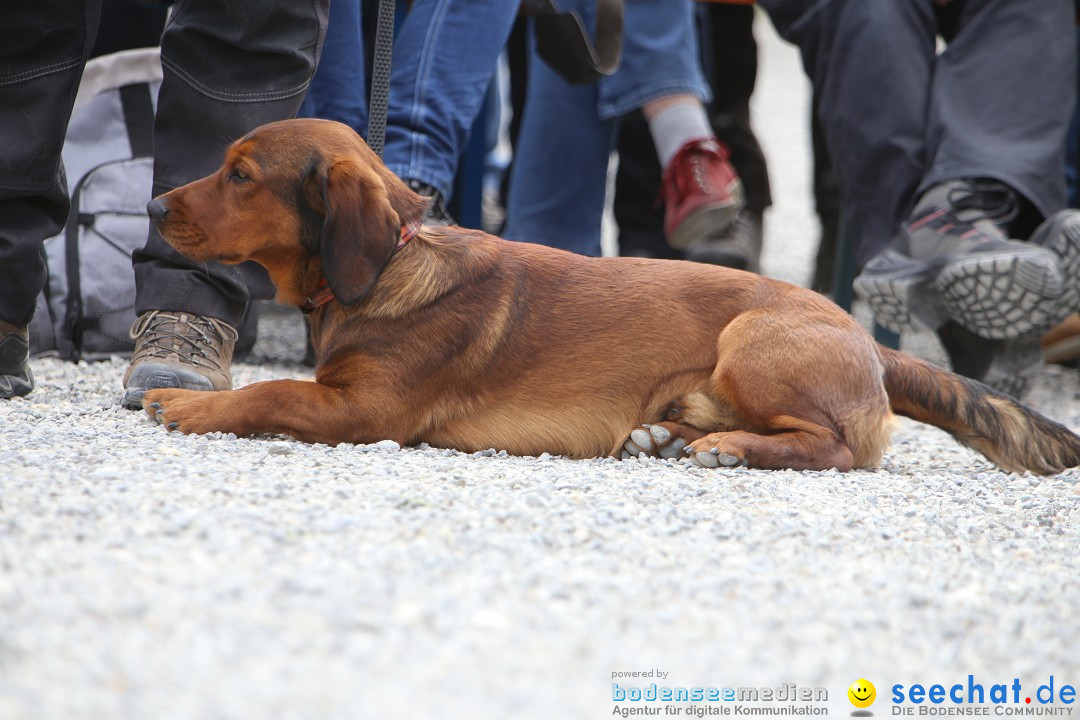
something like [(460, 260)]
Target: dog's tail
[(1011, 435)]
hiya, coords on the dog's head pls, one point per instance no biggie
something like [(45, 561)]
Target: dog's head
[(289, 192)]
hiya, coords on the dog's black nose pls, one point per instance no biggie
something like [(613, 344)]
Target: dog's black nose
[(157, 211)]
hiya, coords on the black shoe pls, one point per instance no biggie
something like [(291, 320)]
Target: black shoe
[(738, 246), (16, 379), (437, 213), (952, 261)]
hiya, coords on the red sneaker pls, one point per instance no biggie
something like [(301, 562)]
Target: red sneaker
[(701, 191)]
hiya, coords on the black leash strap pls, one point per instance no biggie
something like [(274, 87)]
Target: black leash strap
[(380, 76)]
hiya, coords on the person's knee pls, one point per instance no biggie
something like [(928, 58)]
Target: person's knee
[(212, 51)]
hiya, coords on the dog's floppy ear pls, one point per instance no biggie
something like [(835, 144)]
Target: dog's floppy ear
[(360, 230)]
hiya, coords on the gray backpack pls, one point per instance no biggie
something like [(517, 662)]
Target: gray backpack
[(88, 304)]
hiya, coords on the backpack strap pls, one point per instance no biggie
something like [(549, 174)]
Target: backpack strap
[(70, 341), (138, 105)]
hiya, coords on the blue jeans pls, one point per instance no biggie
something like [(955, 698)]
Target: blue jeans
[(558, 180), (445, 53)]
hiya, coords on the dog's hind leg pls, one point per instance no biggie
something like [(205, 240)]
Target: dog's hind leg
[(808, 448), (804, 387), (812, 447)]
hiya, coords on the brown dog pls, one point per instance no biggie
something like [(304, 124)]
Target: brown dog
[(467, 341)]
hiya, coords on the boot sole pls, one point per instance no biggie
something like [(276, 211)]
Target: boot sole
[(151, 376), (708, 221), (1005, 295), (17, 385), (1066, 245), (902, 302), (16, 380)]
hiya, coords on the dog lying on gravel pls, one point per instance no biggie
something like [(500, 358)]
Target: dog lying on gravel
[(463, 340)]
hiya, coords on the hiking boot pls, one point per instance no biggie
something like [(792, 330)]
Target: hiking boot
[(178, 350), (437, 213), (1060, 234), (952, 260), (701, 192), (900, 291), (737, 247), (16, 379), (1011, 289)]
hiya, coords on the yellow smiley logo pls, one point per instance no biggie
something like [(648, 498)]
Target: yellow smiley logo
[(862, 693)]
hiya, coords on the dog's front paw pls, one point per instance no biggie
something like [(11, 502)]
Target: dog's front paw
[(189, 411)]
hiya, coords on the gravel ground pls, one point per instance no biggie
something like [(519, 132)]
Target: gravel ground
[(154, 575)]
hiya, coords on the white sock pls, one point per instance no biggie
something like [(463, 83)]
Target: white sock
[(676, 125)]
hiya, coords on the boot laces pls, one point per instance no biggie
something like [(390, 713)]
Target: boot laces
[(995, 200), (195, 339), (687, 172)]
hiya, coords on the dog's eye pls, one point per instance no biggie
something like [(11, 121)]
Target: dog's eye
[(238, 175)]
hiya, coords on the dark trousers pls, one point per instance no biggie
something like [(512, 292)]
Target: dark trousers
[(229, 66), (898, 118), (730, 62)]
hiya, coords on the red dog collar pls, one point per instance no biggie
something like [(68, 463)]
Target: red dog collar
[(325, 294)]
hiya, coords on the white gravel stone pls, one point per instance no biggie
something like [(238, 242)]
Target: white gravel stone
[(153, 574)]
